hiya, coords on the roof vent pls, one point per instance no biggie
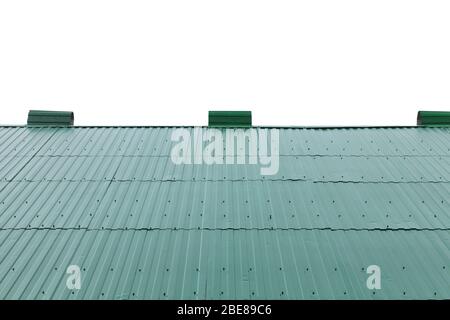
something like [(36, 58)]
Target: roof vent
[(50, 118), (230, 119), (433, 118)]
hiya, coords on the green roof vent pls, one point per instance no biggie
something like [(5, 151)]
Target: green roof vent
[(50, 118), (433, 118), (230, 119)]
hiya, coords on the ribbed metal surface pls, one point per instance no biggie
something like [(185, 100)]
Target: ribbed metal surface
[(110, 200)]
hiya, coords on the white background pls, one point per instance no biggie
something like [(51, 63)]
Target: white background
[(169, 62)]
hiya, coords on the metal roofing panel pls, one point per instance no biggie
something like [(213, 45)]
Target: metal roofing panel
[(147, 141), (223, 264), (111, 200), (149, 168), (218, 204)]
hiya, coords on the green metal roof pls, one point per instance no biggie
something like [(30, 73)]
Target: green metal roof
[(110, 200)]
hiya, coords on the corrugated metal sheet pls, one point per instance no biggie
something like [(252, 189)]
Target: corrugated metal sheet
[(110, 200)]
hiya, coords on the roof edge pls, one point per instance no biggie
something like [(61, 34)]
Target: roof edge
[(237, 127)]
